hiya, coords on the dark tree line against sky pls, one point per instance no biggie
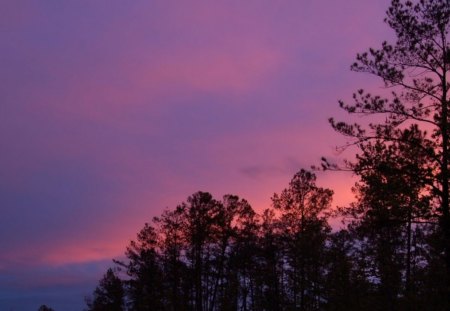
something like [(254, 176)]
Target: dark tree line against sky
[(393, 252), (209, 254)]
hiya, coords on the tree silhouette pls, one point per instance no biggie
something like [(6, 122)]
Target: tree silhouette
[(415, 68), (109, 294), (143, 268), (172, 245), (200, 255), (200, 212), (304, 231), (286, 258)]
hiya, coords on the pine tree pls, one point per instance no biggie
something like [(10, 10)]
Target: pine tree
[(415, 68), (304, 230), (109, 294), (143, 268)]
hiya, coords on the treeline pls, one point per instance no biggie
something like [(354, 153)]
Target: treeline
[(393, 251), (209, 254)]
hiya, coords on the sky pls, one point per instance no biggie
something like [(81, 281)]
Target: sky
[(112, 110)]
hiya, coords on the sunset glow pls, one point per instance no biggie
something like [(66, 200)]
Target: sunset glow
[(113, 110)]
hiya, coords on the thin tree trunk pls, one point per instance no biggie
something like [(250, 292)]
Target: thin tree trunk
[(408, 262), (445, 222)]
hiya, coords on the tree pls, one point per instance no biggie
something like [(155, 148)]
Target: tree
[(268, 291), (416, 68), (45, 308), (200, 212), (172, 244), (305, 229), (242, 269), (194, 257), (143, 268), (109, 294), (347, 286), (390, 207), (233, 223)]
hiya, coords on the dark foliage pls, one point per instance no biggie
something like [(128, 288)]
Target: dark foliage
[(109, 294)]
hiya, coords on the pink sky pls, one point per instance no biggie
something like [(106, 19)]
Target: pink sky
[(113, 110)]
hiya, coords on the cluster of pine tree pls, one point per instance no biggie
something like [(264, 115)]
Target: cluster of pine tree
[(393, 253), (210, 254)]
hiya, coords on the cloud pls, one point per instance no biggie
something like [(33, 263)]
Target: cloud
[(288, 166), (113, 110)]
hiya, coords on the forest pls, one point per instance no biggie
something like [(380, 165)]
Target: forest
[(391, 250)]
